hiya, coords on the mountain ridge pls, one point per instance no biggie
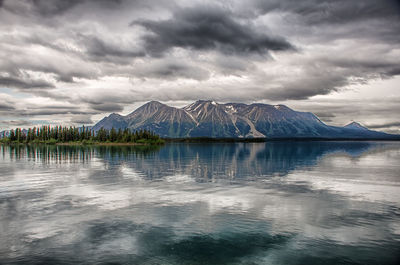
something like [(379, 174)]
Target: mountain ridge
[(206, 118)]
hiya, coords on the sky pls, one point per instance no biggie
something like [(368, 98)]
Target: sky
[(72, 62)]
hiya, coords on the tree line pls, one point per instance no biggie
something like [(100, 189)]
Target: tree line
[(73, 134)]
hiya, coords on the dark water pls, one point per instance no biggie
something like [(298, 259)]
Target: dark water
[(254, 203)]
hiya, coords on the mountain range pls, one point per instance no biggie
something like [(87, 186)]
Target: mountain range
[(205, 118)]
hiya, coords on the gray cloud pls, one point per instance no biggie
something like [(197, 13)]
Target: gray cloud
[(333, 11), (98, 49), (6, 104), (6, 107), (99, 56), (16, 122), (47, 110), (55, 7), (374, 113), (315, 81), (50, 112), (325, 116), (61, 62), (52, 8), (206, 28), (337, 19), (323, 75), (107, 107), (383, 125), (81, 119), (24, 83), (171, 70)]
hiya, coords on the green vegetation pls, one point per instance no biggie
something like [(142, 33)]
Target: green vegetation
[(73, 135)]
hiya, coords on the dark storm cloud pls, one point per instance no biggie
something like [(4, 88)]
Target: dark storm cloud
[(63, 63), (382, 64), (54, 7), (98, 56), (367, 22), (326, 74), (57, 7), (171, 70), (315, 83), (24, 84), (207, 28), (333, 11), (99, 49)]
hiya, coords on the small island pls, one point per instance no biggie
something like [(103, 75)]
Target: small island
[(59, 135)]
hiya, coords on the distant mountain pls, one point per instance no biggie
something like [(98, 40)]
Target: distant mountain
[(356, 126), (162, 119), (113, 120), (362, 131), (205, 118)]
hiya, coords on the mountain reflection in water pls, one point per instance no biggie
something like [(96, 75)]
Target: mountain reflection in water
[(219, 203), (201, 161)]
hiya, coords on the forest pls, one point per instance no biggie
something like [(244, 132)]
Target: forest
[(84, 135)]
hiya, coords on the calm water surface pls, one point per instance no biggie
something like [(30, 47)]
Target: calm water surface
[(253, 203)]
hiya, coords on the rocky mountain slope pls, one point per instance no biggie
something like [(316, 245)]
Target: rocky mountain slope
[(205, 118)]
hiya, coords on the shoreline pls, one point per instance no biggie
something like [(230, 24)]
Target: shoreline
[(85, 144), (106, 144), (265, 140), (209, 140)]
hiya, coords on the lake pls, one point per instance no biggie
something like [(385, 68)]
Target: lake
[(236, 203)]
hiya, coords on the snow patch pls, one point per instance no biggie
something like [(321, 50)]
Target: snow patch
[(190, 107), (230, 109), (253, 131), (191, 116), (198, 106)]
